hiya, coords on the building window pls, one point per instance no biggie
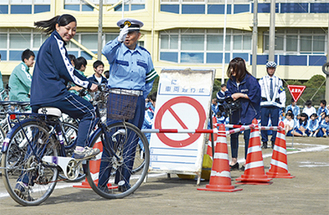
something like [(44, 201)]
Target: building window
[(131, 5), (79, 5), (298, 42), (200, 46), (24, 6)]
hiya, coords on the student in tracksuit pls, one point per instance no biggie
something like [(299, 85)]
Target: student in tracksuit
[(243, 86), (20, 78), (273, 99), (325, 127), (53, 70), (98, 77), (313, 125)]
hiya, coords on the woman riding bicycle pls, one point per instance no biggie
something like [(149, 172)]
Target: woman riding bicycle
[(53, 70)]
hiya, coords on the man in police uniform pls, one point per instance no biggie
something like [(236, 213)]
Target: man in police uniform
[(131, 70), (273, 99)]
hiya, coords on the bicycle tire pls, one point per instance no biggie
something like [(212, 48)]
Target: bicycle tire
[(115, 166), (70, 132), (2, 138), (19, 163)]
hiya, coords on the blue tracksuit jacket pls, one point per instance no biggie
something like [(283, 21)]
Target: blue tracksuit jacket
[(53, 71), (250, 107)]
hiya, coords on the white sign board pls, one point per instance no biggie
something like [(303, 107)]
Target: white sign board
[(183, 102)]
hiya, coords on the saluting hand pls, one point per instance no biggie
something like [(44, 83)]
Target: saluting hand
[(123, 34)]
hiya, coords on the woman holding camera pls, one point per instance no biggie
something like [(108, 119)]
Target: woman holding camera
[(242, 86)]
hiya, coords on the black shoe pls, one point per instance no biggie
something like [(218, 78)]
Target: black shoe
[(242, 168), (273, 143), (264, 146), (234, 167), (123, 188)]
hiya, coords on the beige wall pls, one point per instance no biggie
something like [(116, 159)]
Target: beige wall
[(156, 21)]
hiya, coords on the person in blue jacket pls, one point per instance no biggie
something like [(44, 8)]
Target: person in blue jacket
[(52, 71), (324, 126), (131, 72), (293, 107), (98, 77), (313, 125), (242, 86)]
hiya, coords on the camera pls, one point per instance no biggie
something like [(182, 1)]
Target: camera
[(228, 106)]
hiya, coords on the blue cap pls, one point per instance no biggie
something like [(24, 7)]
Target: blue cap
[(133, 24)]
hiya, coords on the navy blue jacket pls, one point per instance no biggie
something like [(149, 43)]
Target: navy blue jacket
[(52, 71), (250, 108), (94, 80)]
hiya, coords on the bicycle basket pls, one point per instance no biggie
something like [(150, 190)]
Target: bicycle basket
[(121, 106)]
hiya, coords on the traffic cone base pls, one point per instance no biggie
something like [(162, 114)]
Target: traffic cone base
[(220, 188), (85, 184), (255, 183), (220, 176)]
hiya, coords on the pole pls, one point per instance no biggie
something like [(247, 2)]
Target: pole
[(123, 8), (224, 41), (327, 76), (272, 32), (254, 40), (100, 30)]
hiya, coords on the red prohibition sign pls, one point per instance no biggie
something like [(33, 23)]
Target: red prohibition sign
[(168, 107)]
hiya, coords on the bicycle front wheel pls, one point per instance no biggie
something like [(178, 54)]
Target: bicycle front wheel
[(28, 179), (116, 172)]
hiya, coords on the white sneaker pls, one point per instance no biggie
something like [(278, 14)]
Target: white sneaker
[(86, 153)]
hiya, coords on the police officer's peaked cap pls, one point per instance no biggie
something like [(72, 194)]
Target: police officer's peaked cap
[(133, 24)]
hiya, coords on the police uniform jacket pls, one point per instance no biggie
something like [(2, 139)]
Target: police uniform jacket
[(250, 108), (130, 69), (52, 71), (279, 95)]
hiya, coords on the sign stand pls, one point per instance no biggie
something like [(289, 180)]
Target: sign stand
[(183, 102)]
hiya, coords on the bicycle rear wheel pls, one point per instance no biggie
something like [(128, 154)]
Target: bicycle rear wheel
[(2, 138), (29, 180), (116, 173)]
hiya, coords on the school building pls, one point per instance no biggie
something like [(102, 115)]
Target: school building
[(180, 33)]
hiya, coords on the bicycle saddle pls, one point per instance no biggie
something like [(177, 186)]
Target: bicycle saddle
[(50, 111)]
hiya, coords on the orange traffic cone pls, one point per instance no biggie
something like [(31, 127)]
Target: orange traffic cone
[(254, 170), (94, 166), (220, 177), (279, 165)]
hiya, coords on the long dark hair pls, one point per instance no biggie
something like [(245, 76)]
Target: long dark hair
[(48, 26), (239, 66)]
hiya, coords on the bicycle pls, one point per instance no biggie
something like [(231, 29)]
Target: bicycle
[(38, 159)]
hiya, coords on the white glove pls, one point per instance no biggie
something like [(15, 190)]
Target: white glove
[(123, 34)]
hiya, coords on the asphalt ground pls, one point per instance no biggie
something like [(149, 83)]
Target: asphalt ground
[(307, 193)]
